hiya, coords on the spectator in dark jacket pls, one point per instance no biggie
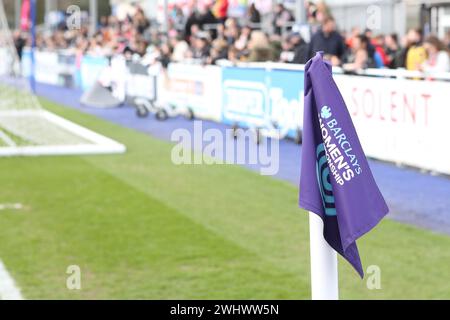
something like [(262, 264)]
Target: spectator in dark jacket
[(370, 47), (208, 21), (253, 15), (207, 18), (19, 43), (300, 49), (393, 51), (195, 19), (328, 40)]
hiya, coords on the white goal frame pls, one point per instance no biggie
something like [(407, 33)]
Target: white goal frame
[(89, 142), (98, 144)]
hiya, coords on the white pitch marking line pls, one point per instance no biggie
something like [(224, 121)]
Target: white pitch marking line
[(8, 288), (6, 139), (11, 206)]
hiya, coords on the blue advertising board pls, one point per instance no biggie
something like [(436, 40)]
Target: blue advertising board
[(264, 98), (90, 69)]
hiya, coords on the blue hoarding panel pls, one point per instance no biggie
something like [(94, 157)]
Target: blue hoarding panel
[(263, 98)]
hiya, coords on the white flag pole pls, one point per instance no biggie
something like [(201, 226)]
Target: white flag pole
[(324, 265)]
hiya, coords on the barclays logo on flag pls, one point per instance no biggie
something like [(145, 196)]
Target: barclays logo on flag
[(343, 163), (325, 112)]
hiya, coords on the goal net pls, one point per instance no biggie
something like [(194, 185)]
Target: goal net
[(26, 128)]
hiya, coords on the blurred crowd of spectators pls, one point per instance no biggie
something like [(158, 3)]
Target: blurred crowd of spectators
[(206, 35)]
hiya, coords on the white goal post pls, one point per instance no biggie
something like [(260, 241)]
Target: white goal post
[(26, 128), (94, 143)]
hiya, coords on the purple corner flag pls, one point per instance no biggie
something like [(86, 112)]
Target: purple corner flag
[(336, 182)]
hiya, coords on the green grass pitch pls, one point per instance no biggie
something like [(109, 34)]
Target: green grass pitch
[(140, 227)]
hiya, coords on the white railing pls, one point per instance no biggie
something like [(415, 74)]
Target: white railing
[(372, 72), (403, 73)]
